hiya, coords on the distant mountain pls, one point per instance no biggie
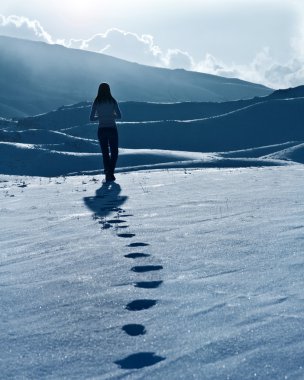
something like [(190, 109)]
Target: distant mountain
[(288, 93), (37, 77)]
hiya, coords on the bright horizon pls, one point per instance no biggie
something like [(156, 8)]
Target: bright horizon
[(254, 40)]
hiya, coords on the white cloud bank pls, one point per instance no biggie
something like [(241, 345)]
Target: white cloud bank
[(263, 69), (22, 27), (133, 47), (143, 49)]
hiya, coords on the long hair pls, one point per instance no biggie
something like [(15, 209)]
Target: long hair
[(104, 94)]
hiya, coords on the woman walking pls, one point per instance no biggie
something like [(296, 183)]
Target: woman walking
[(107, 110)]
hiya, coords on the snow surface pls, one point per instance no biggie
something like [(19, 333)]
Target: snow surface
[(189, 266), (184, 274), (264, 133)]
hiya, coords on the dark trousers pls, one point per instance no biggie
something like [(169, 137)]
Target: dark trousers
[(108, 138)]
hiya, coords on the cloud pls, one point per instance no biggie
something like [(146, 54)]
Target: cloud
[(143, 49), (263, 69), (176, 59), (133, 47), (253, 72), (122, 44), (22, 27)]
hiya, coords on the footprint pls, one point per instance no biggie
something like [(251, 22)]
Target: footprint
[(137, 245), (139, 360), (134, 330), (140, 305), (118, 209), (136, 255), (146, 268), (116, 221), (126, 235), (104, 225), (148, 284)]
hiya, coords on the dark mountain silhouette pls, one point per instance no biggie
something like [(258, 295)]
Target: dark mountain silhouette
[(288, 93), (37, 77)]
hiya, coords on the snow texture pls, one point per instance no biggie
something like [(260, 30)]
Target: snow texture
[(259, 132), (167, 274), (189, 266)]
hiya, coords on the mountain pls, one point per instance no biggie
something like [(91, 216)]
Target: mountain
[(37, 77), (288, 93)]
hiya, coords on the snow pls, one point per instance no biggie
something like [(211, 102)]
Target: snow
[(265, 133), (294, 153), (189, 266), (213, 257)]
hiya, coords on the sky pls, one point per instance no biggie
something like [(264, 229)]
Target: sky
[(260, 41)]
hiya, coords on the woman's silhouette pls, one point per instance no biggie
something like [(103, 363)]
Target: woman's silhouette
[(107, 110)]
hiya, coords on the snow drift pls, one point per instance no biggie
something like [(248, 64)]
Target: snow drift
[(241, 133)]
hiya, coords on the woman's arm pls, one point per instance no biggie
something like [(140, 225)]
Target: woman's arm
[(93, 112), (117, 112)]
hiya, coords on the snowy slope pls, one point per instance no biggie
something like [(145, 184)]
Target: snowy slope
[(267, 123), (56, 143), (182, 274), (293, 153), (37, 77), (48, 139), (77, 114), (49, 161)]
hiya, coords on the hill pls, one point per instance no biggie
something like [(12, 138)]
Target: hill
[(78, 114), (255, 132), (252, 136), (37, 77)]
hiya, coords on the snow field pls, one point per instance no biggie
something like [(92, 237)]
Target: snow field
[(199, 273)]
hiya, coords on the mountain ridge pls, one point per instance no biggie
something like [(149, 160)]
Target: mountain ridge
[(39, 77)]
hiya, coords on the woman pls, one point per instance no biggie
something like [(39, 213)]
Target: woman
[(107, 110)]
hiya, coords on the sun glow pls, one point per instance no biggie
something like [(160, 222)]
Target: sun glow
[(82, 10)]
